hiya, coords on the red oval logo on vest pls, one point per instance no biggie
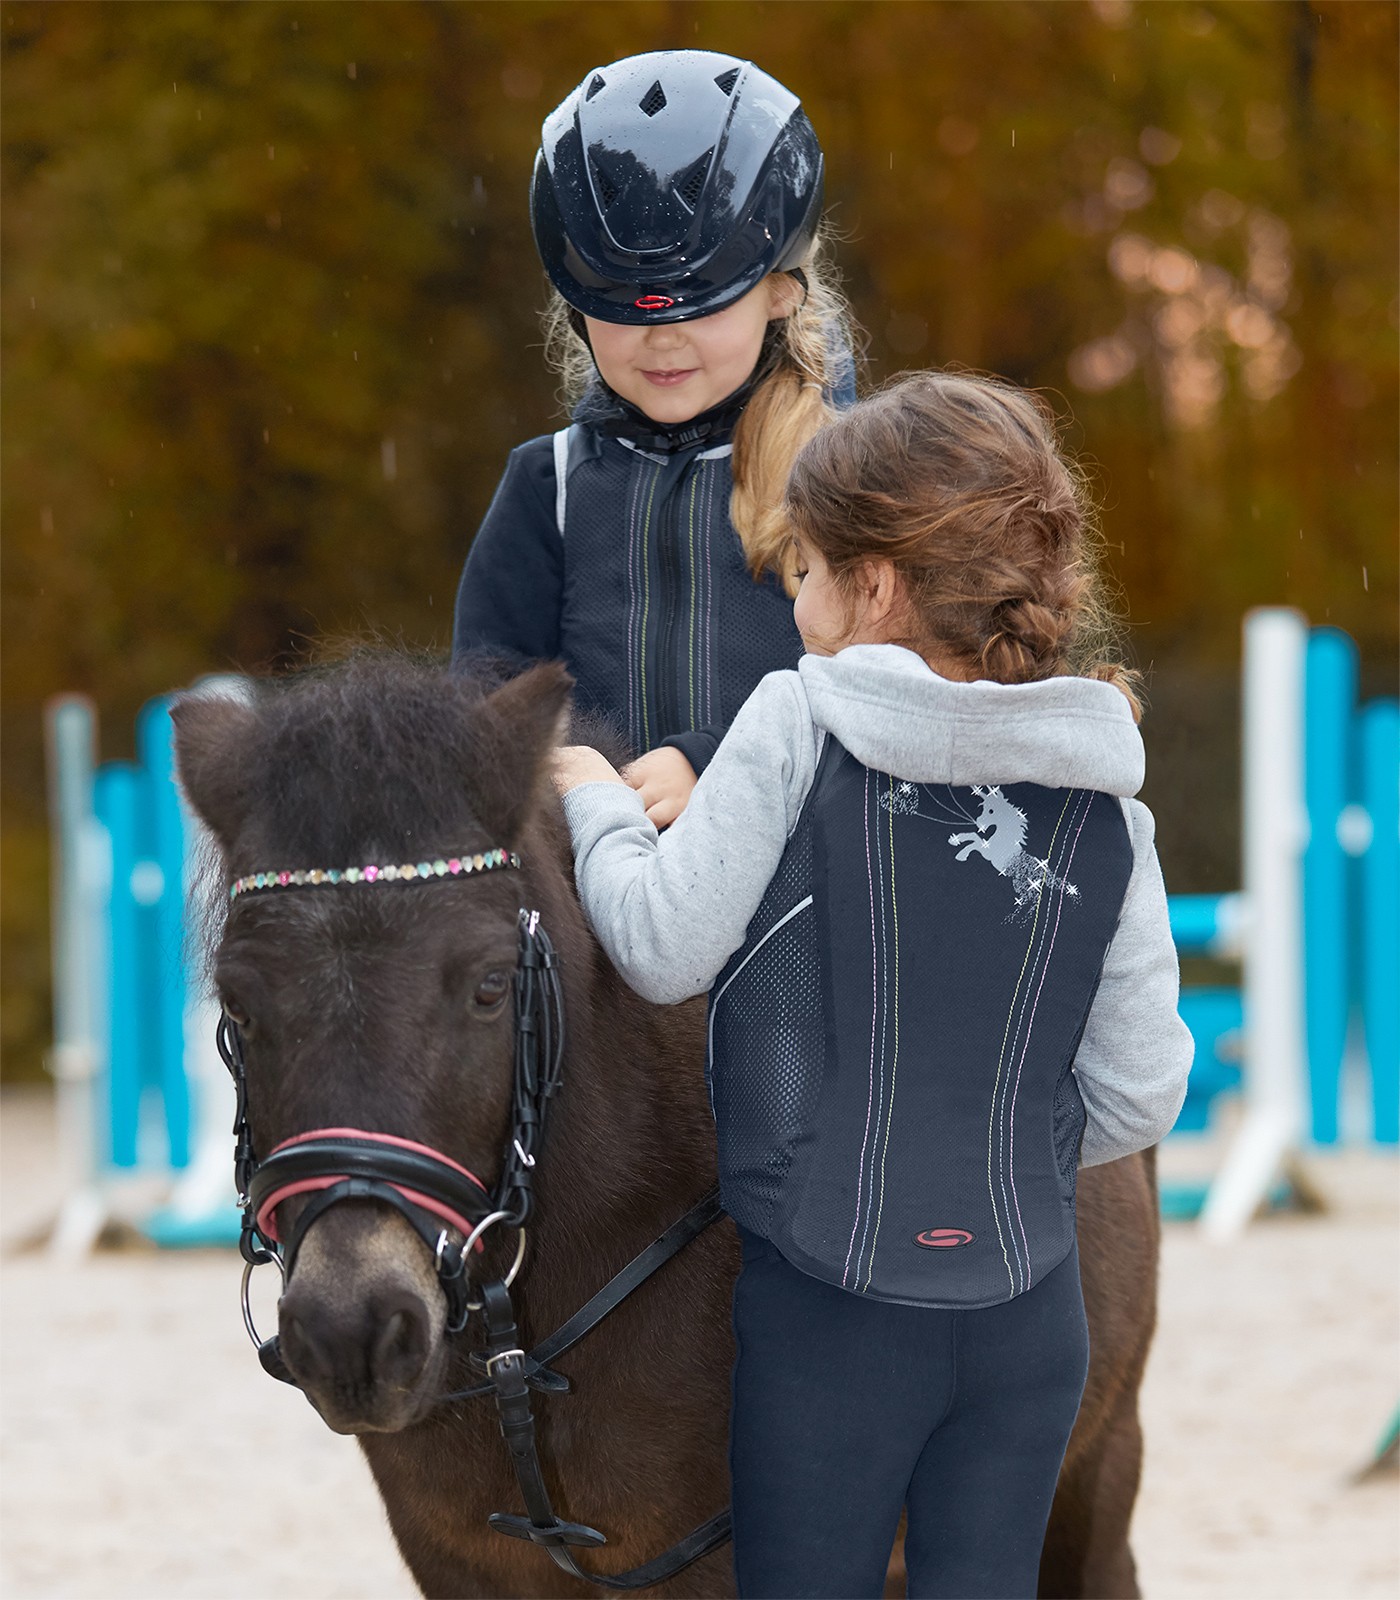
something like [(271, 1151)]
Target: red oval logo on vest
[(943, 1238), (654, 302)]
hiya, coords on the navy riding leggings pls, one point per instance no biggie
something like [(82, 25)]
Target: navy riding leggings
[(847, 1409)]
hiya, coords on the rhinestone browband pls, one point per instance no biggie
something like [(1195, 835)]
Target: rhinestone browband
[(450, 867)]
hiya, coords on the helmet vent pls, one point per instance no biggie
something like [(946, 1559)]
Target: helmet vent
[(595, 86), (654, 100), (727, 80), (607, 189), (691, 183)]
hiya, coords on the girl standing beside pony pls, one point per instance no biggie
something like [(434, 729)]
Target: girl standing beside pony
[(676, 204), (933, 930)]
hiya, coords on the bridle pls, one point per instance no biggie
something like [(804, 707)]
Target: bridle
[(439, 1197), (432, 1191)]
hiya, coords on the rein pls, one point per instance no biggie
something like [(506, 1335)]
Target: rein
[(436, 1194)]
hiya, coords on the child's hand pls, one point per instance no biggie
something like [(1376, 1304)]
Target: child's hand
[(578, 763), (663, 778)]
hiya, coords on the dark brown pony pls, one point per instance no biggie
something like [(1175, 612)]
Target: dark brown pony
[(386, 1008)]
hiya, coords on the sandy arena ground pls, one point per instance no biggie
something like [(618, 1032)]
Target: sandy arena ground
[(146, 1455)]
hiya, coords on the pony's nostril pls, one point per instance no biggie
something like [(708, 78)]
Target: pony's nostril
[(401, 1348), (300, 1351)]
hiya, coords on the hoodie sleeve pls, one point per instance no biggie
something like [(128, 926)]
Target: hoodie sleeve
[(1136, 1051), (671, 909)]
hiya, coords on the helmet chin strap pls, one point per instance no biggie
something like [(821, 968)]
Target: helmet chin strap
[(603, 409)]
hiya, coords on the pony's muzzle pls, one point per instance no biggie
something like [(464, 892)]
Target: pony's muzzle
[(361, 1320), (361, 1363)]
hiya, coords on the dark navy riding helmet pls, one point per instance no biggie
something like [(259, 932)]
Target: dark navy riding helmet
[(667, 185)]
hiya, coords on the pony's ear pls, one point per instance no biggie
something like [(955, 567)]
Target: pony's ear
[(214, 740), (518, 727)]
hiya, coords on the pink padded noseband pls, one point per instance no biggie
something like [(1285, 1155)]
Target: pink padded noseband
[(267, 1212)]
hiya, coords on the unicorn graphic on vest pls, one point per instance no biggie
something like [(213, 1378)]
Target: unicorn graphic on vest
[(1001, 838)]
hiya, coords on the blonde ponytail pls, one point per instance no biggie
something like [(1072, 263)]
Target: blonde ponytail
[(792, 403)]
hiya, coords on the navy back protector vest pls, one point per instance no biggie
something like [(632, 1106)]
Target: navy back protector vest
[(686, 631), (890, 1050)]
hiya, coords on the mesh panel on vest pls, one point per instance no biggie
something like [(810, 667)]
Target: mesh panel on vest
[(768, 1003), (662, 625), (1069, 1119)]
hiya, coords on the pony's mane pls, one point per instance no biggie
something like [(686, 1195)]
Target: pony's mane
[(380, 755), (387, 751)]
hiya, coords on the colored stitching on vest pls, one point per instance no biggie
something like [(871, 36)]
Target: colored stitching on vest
[(743, 629), (955, 814), (894, 1059), (867, 1196), (882, 1104), (629, 653), (1083, 809), (874, 1008), (882, 1013), (992, 1118), (1082, 800), (709, 583), (1007, 1114), (907, 803), (634, 634), (1042, 943), (1006, 1121), (646, 606), (694, 581)]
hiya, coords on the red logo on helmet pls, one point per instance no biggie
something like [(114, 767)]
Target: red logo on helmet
[(943, 1238), (654, 302)]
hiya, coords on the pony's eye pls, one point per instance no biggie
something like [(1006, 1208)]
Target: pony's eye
[(492, 990), (236, 1013)]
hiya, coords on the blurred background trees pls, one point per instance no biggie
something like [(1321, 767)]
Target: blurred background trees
[(270, 301)]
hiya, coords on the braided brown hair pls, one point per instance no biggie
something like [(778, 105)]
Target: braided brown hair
[(960, 482)]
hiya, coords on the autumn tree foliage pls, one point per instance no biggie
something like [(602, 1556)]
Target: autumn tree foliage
[(270, 304)]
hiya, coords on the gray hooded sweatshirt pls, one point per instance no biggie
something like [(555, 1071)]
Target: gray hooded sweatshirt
[(671, 909)]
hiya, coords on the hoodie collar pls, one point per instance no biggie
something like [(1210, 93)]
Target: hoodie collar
[(889, 708)]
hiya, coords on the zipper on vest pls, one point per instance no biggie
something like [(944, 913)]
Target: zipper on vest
[(669, 719)]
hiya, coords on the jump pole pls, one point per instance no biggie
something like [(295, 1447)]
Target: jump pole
[(201, 1209), (70, 728), (1380, 913), (1275, 835)]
